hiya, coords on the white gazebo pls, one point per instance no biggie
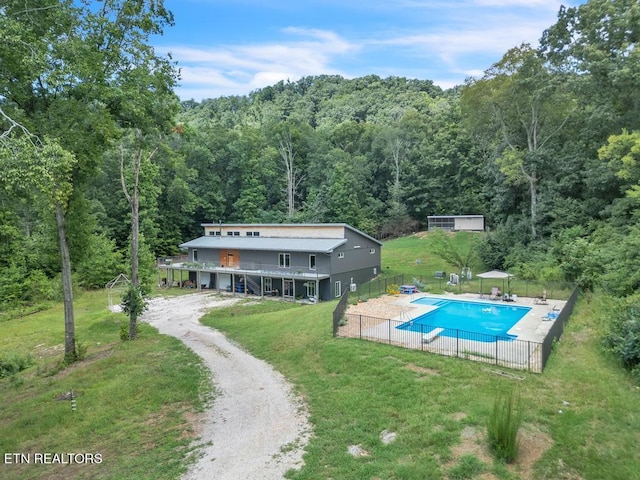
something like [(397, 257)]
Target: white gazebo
[(117, 286), (497, 275)]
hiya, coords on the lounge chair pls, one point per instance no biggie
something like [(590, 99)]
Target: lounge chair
[(542, 299), (495, 294)]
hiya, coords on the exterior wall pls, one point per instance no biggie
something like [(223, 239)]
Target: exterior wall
[(277, 231), (326, 290), (355, 255), (357, 261), (264, 260), (467, 223), (358, 277)]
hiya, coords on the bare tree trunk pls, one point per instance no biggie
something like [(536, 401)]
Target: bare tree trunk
[(533, 189), (395, 146), (286, 152), (134, 202), (70, 353), (285, 148)]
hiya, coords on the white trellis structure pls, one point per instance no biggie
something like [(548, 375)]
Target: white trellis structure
[(115, 288)]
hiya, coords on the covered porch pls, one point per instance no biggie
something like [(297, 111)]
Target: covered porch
[(290, 284)]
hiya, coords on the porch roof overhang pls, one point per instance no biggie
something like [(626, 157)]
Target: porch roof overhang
[(317, 245), (280, 273)]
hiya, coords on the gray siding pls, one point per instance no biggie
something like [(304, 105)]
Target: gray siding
[(357, 261), (253, 259), (356, 255)]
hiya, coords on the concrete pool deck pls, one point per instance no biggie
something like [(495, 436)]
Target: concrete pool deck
[(532, 327), (376, 320)]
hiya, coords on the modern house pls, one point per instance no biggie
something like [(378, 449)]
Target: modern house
[(457, 223), (312, 261)]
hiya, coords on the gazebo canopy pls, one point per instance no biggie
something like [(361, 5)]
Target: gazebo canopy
[(496, 275)]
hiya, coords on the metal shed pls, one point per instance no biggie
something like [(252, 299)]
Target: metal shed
[(463, 223)]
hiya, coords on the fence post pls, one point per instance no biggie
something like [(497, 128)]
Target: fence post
[(496, 340)]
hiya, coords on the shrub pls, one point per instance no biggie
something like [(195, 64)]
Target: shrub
[(623, 338), (101, 264), (14, 363), (503, 425)]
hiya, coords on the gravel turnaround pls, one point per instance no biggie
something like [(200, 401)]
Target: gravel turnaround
[(256, 428)]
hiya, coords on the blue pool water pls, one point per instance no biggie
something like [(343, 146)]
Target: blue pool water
[(478, 321)]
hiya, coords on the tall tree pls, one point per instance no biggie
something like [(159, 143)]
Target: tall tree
[(26, 164), (292, 173), (132, 194), (75, 72), (599, 41), (524, 106), (622, 152)]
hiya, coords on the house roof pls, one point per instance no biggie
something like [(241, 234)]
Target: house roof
[(321, 245)]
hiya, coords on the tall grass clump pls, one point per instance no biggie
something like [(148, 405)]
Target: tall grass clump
[(13, 363), (503, 425)]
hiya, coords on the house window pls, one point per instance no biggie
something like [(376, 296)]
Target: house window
[(372, 251), (337, 291), (236, 234), (268, 284), (256, 234), (284, 260), (340, 254), (195, 255), (230, 234), (312, 262), (249, 234)]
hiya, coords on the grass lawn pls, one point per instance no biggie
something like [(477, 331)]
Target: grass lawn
[(438, 406), (133, 399)]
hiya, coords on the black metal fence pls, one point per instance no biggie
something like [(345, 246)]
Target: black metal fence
[(338, 313), (555, 332), (496, 350), (524, 288), (376, 287), (511, 353)]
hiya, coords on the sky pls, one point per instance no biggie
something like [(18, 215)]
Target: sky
[(233, 47)]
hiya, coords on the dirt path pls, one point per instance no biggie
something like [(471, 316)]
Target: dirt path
[(256, 428)]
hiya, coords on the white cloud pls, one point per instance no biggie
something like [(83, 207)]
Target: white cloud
[(432, 39), (237, 69)]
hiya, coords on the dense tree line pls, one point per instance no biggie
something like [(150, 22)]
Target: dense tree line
[(546, 145)]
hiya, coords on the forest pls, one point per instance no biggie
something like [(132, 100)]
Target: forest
[(546, 145)]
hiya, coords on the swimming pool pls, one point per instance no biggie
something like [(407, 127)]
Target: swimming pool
[(478, 321)]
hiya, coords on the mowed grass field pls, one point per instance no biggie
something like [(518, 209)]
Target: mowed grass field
[(581, 416), (134, 399)]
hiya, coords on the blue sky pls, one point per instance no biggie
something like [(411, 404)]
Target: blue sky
[(232, 47)]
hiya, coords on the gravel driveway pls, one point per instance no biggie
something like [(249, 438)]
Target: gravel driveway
[(256, 428)]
